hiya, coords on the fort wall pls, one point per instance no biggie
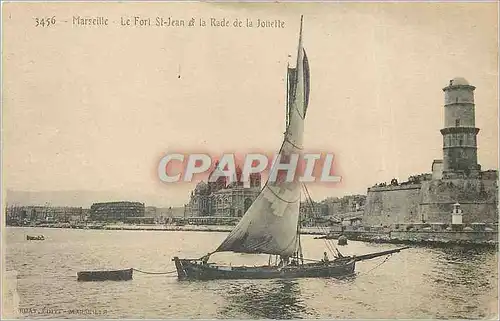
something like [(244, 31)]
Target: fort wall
[(392, 204), (432, 201), (477, 197)]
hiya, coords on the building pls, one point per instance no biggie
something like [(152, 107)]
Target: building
[(457, 178), (347, 204), (147, 220), (352, 221), (16, 215), (220, 198), (162, 215), (116, 211), (312, 212), (212, 220), (312, 209), (459, 132)]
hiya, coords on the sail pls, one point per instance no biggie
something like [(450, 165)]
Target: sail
[(270, 224)]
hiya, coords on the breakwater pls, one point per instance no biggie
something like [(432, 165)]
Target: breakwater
[(425, 233), (157, 227), (427, 238), (199, 228)]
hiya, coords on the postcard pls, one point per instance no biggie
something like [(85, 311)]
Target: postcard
[(279, 160)]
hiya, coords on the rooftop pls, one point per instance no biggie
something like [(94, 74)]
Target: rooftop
[(459, 81)]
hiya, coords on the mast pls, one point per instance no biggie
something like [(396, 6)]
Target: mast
[(299, 250), (270, 225), (287, 107)]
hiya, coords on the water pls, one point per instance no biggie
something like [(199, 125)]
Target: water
[(416, 283)]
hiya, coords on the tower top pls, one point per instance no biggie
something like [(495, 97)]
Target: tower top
[(458, 82)]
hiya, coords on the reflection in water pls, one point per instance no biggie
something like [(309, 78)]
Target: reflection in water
[(460, 270), (270, 299)]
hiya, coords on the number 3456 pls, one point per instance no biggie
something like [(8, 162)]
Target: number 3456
[(45, 22)]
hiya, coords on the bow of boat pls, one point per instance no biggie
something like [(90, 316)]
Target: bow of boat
[(369, 256)]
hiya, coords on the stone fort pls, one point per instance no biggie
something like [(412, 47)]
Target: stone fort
[(429, 198)]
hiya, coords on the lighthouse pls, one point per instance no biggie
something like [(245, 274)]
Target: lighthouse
[(459, 132)]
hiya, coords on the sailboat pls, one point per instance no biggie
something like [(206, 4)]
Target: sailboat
[(271, 224)]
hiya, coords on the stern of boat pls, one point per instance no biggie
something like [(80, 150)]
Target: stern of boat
[(181, 270)]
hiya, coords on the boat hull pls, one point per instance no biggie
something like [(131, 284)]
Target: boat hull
[(119, 275), (35, 238), (195, 270)]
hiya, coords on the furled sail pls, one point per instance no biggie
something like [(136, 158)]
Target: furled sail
[(270, 224)]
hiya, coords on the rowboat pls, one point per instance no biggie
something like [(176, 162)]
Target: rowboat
[(117, 275), (35, 238)]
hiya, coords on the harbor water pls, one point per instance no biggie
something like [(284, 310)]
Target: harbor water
[(458, 282)]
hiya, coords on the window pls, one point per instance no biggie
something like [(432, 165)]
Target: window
[(457, 122)]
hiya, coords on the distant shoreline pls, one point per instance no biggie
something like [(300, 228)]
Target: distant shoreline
[(186, 228), (363, 237)]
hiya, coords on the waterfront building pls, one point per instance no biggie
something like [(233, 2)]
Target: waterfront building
[(344, 205), (18, 215), (145, 220), (352, 221), (116, 211), (162, 215), (220, 198), (212, 220), (457, 178), (312, 212)]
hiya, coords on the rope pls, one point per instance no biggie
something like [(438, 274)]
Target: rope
[(330, 245), (145, 272), (376, 266)]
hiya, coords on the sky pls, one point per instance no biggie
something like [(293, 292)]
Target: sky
[(95, 108)]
